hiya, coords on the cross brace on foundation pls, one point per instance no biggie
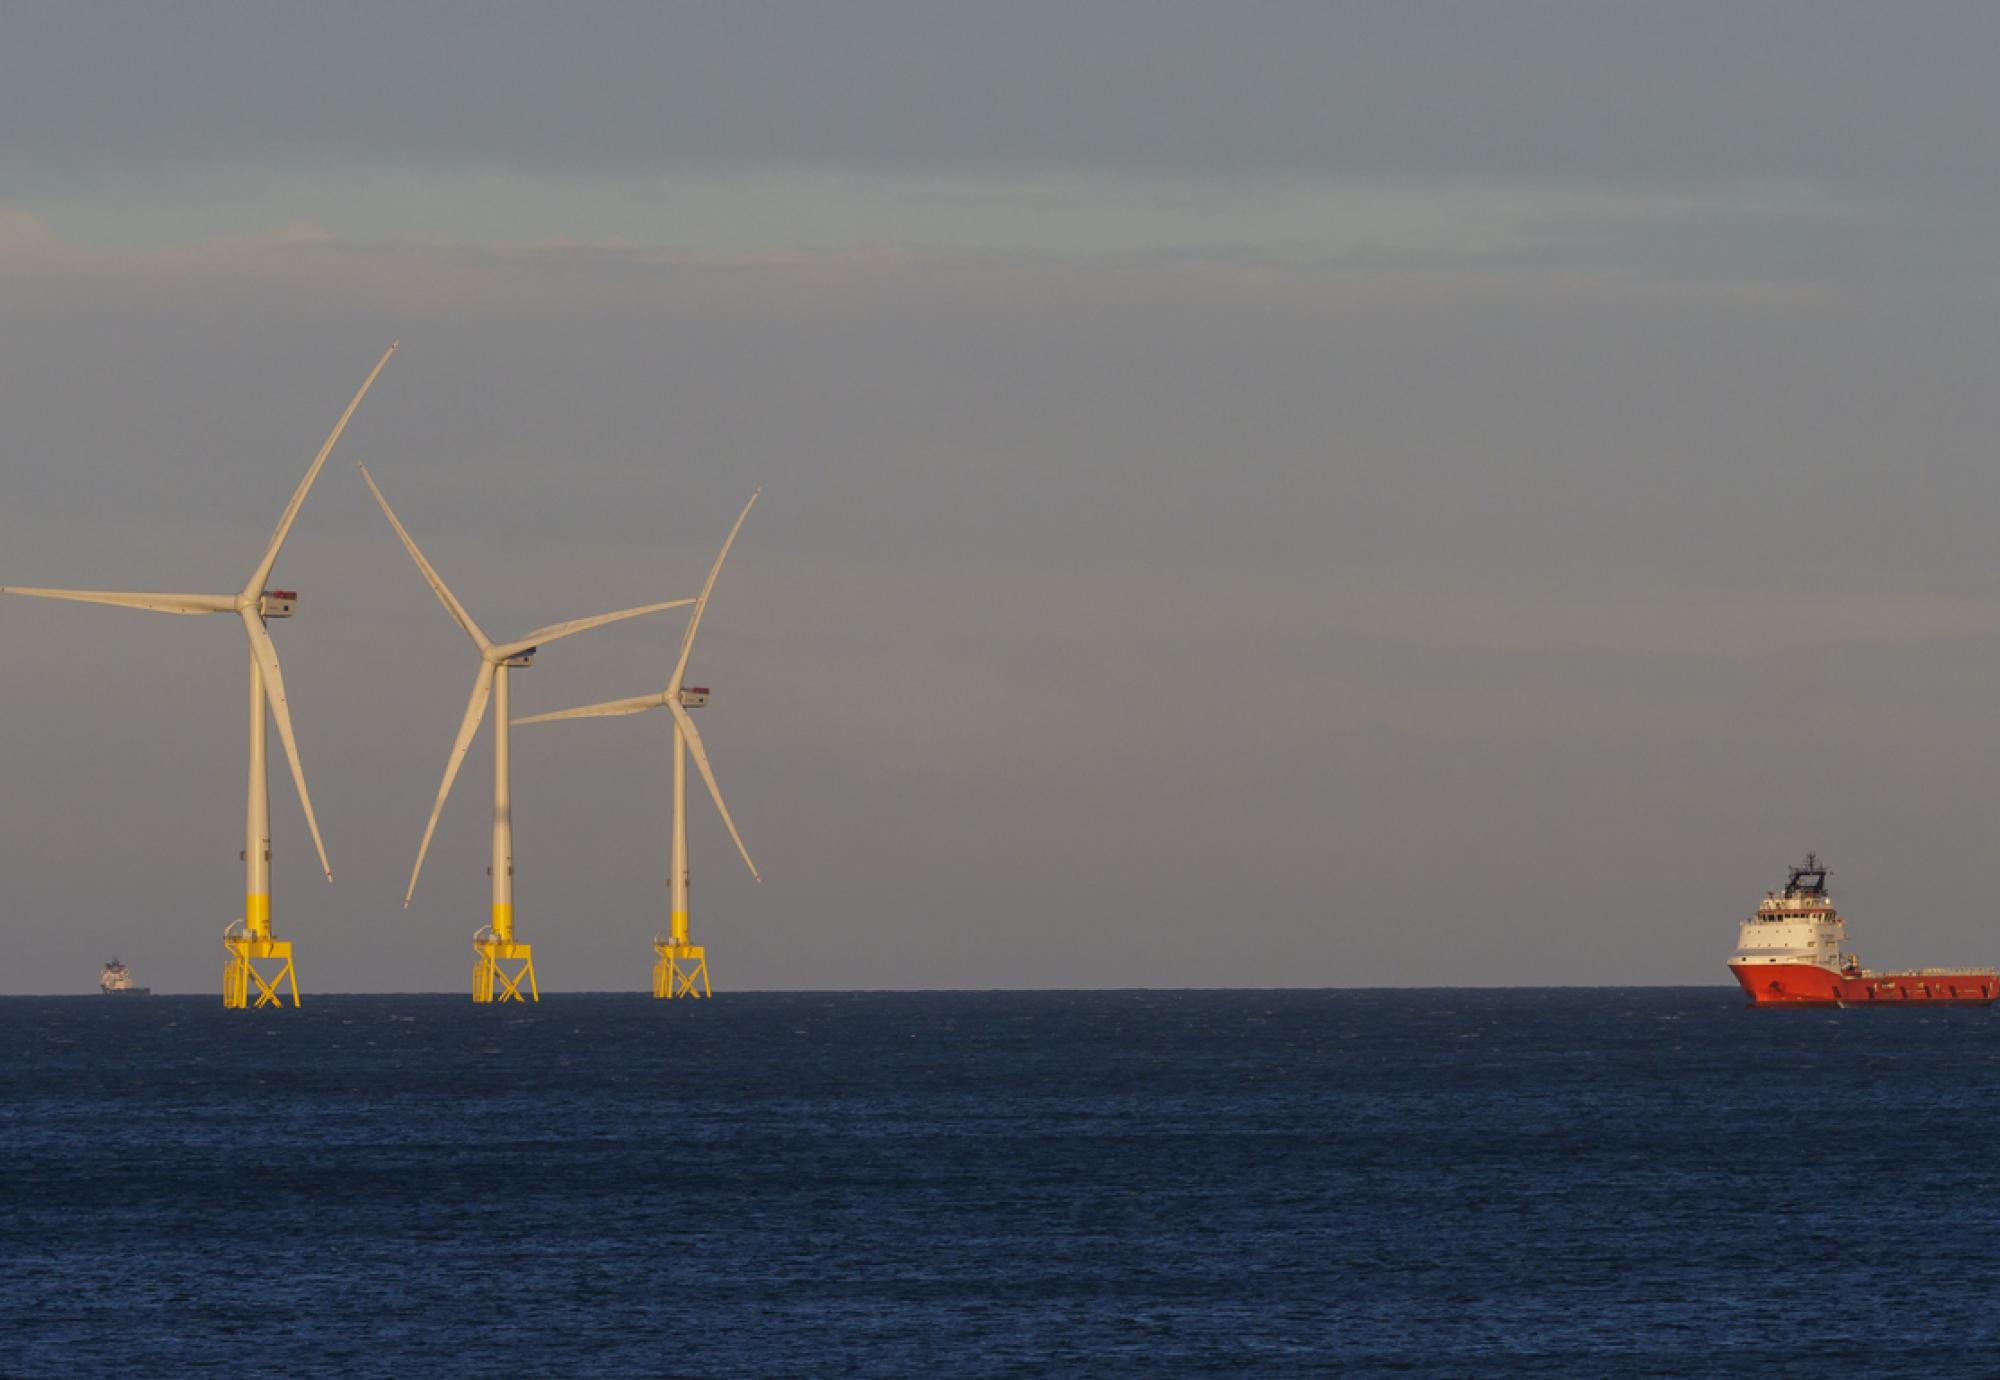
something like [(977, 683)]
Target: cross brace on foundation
[(259, 959), (680, 971), (499, 966)]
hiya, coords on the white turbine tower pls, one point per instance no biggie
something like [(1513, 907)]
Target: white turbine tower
[(670, 978), (493, 944), (249, 941)]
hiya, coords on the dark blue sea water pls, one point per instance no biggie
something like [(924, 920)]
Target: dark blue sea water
[(1481, 1183)]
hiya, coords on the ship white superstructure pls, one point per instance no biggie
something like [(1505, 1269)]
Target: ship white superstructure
[(1796, 925), (117, 982)]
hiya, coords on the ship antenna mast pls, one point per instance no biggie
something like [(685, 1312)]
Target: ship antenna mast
[(1809, 877)]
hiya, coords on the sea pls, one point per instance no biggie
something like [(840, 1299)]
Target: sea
[(1453, 1182)]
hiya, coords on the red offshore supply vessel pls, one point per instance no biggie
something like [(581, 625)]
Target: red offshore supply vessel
[(1789, 954)]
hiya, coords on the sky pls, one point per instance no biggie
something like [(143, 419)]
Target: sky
[(1271, 495)]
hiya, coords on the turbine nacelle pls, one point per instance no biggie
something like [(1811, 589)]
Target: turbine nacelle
[(694, 696), (277, 603)]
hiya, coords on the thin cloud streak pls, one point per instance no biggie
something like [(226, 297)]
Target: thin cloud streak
[(426, 279)]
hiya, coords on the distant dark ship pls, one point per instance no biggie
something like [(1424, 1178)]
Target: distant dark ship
[(117, 982)]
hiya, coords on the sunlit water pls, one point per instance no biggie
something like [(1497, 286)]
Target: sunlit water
[(1546, 1183)]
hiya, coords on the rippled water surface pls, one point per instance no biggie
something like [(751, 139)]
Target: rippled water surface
[(1546, 1183)]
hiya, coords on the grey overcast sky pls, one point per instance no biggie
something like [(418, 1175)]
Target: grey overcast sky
[(1254, 494)]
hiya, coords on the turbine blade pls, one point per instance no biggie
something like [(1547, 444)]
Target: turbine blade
[(686, 722), (475, 711), (274, 692), (557, 631), (437, 584), (701, 606), (291, 513), (153, 603), (638, 704)]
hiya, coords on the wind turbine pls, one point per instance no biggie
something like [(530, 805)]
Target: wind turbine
[(493, 944), (670, 977), (248, 941)]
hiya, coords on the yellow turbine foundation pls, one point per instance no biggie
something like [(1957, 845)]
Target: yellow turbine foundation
[(498, 969), (499, 965), (256, 958), (681, 968)]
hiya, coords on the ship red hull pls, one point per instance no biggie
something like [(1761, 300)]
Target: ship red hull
[(1804, 984)]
